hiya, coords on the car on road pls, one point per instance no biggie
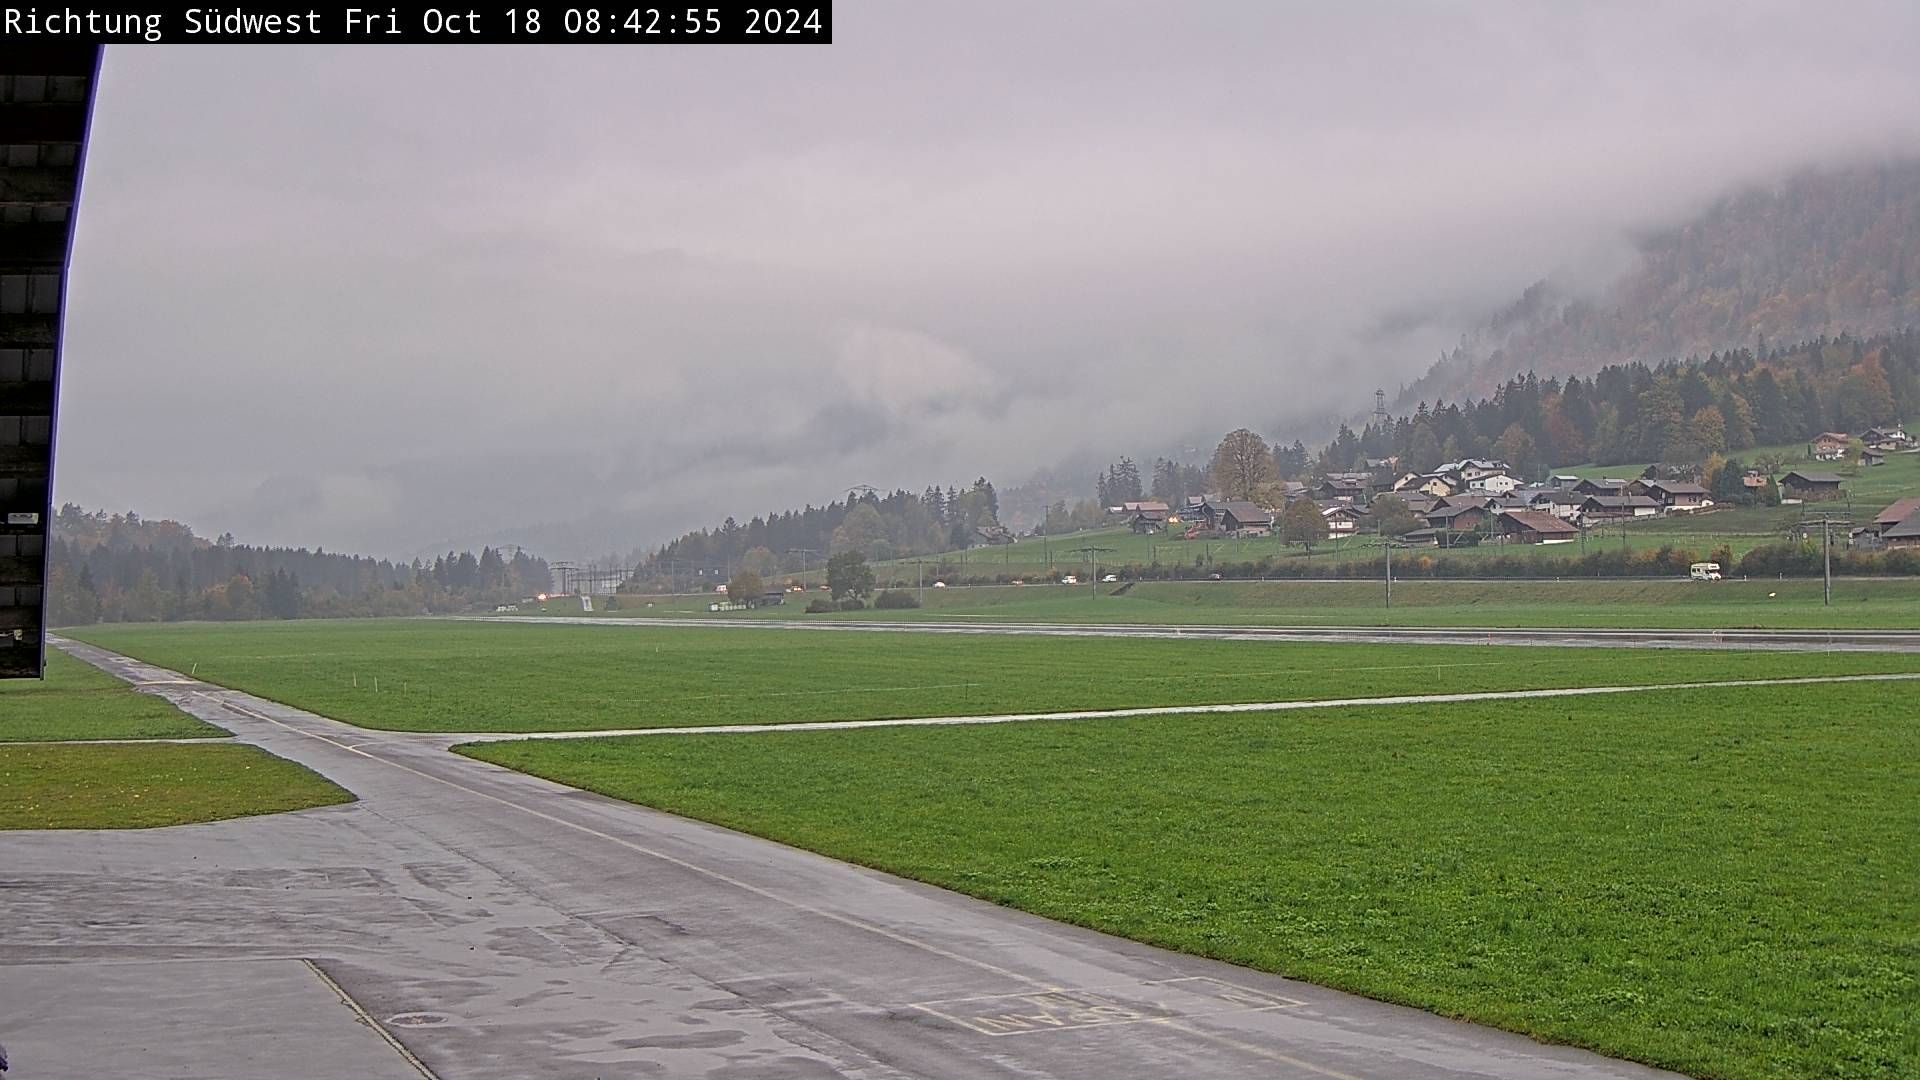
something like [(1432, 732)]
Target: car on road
[(1070, 579), (1704, 571), (1111, 578)]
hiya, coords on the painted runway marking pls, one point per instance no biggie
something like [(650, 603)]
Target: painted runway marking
[(1066, 1010), (1176, 710)]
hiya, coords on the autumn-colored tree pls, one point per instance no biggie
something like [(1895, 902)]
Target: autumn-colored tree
[(1301, 523), (1517, 449), (1241, 463), (1391, 516), (745, 587)]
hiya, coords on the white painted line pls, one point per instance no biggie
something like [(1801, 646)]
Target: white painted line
[(1177, 710)]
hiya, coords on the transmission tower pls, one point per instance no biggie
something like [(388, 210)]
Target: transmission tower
[(1380, 408)]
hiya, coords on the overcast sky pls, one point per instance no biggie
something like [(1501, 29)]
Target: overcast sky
[(381, 299)]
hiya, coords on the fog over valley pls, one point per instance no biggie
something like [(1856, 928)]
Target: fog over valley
[(396, 300)]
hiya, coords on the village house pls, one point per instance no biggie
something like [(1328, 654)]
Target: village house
[(1606, 486), (1532, 527), (1418, 502), (1673, 494), (1237, 517), (1343, 520), (1472, 469), (1616, 507), (1887, 439), (1873, 457), (1340, 488), (1465, 516), (1493, 483), (1828, 446), (1810, 486), (1439, 485)]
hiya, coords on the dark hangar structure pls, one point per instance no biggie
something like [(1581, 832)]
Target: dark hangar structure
[(46, 101)]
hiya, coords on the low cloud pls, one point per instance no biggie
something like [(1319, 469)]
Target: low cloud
[(389, 299)]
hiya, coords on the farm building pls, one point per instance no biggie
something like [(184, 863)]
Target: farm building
[(1906, 534), (1810, 486), (1237, 517), (1150, 520), (1616, 507), (1460, 517), (1532, 527), (1673, 494)]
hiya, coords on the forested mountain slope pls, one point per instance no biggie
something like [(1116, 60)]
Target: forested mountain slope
[(1822, 254)]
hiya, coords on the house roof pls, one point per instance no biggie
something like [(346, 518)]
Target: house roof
[(1676, 487), (1343, 510), (1811, 477), (1897, 512), (1906, 528), (1244, 512), (1535, 521), (1620, 502), (1831, 436), (1448, 513), (1149, 504)]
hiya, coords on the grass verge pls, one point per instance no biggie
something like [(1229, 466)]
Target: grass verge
[(79, 701), (138, 787), (1718, 881)]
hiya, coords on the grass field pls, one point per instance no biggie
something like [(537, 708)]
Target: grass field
[(1723, 881), (78, 701), (123, 786), (481, 676), (1890, 603)]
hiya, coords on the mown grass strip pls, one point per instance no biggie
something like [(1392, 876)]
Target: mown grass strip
[(135, 787), (79, 701), (1722, 881)]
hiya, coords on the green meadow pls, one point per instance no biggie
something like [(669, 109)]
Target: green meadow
[(437, 675), (1723, 882)]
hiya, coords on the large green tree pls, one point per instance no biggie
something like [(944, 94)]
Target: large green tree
[(848, 575)]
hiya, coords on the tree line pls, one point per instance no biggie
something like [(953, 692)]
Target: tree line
[(900, 523), (122, 568), (1686, 413)]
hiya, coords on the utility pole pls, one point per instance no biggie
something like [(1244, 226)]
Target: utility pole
[(1827, 520), (1093, 585), (1389, 543)]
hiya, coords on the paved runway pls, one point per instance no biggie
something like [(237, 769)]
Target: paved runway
[(500, 926), (1791, 640)]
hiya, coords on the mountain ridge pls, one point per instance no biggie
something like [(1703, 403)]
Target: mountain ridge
[(1818, 253)]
